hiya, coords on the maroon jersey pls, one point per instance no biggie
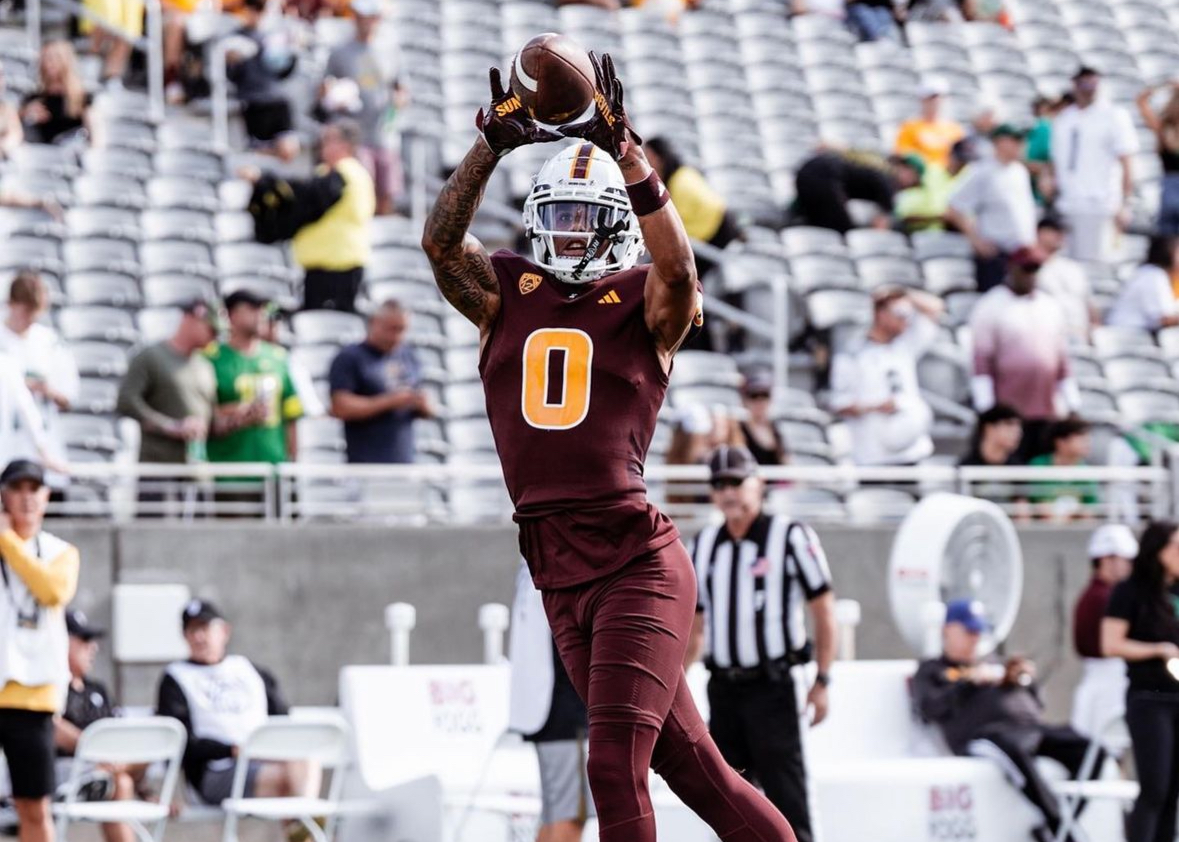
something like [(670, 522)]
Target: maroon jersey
[(573, 384)]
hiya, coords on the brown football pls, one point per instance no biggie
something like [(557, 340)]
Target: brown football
[(554, 78)]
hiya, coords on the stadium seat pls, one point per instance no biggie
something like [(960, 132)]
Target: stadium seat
[(175, 290), (88, 432), (316, 360), (101, 255), (315, 327), (876, 505), (180, 225), (99, 359), (106, 324), (175, 257), (157, 324), (108, 289)]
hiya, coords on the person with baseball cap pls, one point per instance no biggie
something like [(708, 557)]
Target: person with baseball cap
[(756, 576), (1101, 692), (38, 575), (221, 699), (992, 709), (930, 135)]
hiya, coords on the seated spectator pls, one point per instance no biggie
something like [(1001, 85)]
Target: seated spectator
[(922, 207), (88, 701), (874, 388), (124, 15), (376, 388), (929, 136), (47, 365), (828, 8), (1101, 692), (1065, 280), (825, 183), (872, 20), (221, 699), (265, 106), (1071, 447), (697, 432), (1165, 125), (12, 131), (992, 205), (56, 111), (989, 709), (357, 64), (1147, 301), (991, 11), (996, 438), (934, 11), (761, 434), (170, 389), (257, 405)]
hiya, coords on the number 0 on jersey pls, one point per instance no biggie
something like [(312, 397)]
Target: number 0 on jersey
[(556, 389)]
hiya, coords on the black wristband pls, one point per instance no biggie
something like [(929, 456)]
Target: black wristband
[(648, 195), (823, 679)]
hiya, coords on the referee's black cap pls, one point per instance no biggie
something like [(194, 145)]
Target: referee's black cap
[(730, 462)]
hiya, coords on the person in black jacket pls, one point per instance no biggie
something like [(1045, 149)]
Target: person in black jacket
[(984, 708), (221, 699), (825, 183), (265, 106)]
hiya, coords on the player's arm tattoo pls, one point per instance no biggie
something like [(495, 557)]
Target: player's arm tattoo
[(462, 268)]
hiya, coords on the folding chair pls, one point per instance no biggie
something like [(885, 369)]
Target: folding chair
[(146, 740), (324, 740), (1074, 793)]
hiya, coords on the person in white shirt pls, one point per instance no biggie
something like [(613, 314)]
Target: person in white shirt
[(875, 387), (1021, 353), (1147, 300), (19, 415), (1092, 144), (1065, 280), (46, 365), (993, 206)]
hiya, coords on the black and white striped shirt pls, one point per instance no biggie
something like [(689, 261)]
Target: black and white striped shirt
[(753, 591)]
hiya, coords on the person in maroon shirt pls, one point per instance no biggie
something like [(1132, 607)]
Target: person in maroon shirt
[(576, 350), (1100, 695)]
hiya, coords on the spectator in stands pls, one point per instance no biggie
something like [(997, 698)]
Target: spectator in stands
[(874, 388), (828, 8), (996, 438), (257, 405), (12, 131), (929, 135), (989, 709), (1101, 692), (1092, 145), (1020, 352), (1065, 280), (1071, 446), (88, 701), (265, 106), (991, 11), (761, 434), (703, 210), (47, 365), (19, 416), (171, 390), (272, 318), (124, 15), (993, 206), (334, 247), (984, 120), (825, 183), (1147, 300), (376, 388), (41, 576), (872, 20), (698, 430), (56, 111), (1039, 151), (1165, 125), (220, 699), (1141, 628), (922, 207), (359, 82)]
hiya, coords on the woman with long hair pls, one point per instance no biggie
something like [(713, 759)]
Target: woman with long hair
[(1147, 300), (57, 109), (1141, 626), (1165, 125)]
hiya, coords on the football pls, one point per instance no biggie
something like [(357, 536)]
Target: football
[(554, 78)]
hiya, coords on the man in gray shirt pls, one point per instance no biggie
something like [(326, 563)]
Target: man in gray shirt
[(170, 389), (357, 68)]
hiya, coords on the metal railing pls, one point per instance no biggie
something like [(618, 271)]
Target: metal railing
[(474, 493)]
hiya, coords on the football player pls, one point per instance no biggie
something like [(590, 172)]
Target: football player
[(576, 347)]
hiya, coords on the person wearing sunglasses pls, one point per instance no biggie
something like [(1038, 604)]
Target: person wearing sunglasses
[(761, 572)]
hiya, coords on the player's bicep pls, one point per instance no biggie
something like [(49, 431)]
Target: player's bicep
[(671, 308), (467, 280)]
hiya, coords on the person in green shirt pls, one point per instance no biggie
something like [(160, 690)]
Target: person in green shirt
[(1066, 499), (257, 405)]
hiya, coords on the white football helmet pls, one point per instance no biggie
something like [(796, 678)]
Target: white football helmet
[(578, 216)]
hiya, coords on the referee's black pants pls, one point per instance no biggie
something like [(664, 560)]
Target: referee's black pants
[(755, 725)]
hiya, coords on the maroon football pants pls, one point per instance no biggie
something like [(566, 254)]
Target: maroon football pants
[(622, 639)]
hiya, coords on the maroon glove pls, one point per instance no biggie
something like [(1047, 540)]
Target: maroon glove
[(506, 123), (609, 129)]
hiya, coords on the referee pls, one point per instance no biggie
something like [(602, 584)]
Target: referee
[(754, 573)]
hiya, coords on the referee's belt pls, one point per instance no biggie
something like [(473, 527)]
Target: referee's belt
[(777, 670)]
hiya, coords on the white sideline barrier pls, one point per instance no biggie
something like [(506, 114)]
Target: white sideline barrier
[(877, 773)]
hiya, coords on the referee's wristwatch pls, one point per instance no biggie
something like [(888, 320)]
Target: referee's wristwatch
[(823, 679)]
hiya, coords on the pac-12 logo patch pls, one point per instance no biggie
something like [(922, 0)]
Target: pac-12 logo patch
[(528, 282)]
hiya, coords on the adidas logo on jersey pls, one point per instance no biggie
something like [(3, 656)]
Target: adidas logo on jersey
[(610, 298)]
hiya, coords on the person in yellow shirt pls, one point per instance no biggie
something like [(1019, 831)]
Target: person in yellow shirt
[(929, 136), (39, 573)]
